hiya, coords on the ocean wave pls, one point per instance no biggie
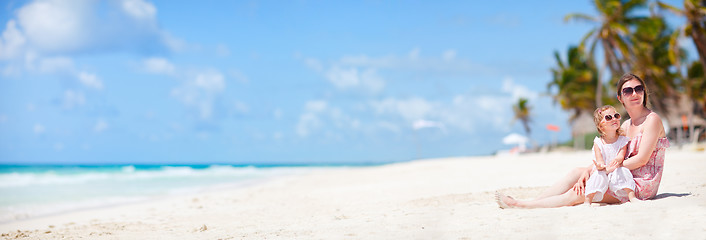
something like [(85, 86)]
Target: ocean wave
[(131, 173)]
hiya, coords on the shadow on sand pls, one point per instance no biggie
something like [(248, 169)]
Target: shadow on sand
[(666, 195)]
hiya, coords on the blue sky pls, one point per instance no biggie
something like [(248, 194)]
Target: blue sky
[(135, 81)]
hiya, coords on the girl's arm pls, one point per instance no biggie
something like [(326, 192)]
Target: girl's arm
[(651, 131), (598, 158), (618, 161)]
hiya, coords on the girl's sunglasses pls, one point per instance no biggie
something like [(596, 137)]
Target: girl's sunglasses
[(637, 89), (616, 116)]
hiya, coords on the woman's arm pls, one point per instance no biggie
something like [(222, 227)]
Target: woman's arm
[(651, 132)]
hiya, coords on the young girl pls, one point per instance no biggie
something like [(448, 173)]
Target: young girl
[(609, 147)]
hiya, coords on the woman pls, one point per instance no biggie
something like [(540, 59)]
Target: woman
[(644, 158)]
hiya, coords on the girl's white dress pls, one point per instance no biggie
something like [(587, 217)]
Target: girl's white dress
[(618, 180)]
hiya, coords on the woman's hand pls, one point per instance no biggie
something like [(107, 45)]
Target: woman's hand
[(578, 188), (581, 183)]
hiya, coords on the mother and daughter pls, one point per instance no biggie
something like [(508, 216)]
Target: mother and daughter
[(627, 161)]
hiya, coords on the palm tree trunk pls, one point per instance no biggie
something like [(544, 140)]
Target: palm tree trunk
[(599, 89), (697, 34), (608, 54), (607, 57)]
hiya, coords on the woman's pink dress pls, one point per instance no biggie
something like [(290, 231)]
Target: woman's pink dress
[(647, 177)]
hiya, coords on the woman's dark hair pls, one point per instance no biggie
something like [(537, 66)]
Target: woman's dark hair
[(627, 77)]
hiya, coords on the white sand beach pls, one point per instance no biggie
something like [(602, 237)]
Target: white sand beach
[(449, 198)]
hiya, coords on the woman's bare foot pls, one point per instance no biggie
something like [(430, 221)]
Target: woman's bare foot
[(505, 201)]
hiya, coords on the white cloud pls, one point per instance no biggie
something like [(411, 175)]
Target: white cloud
[(158, 66), (309, 120), (139, 9), (241, 107), (210, 81), (415, 61), (72, 99), (466, 113), (54, 25), (54, 64), (414, 54), (518, 91), (38, 128), (314, 64), (352, 78), (449, 55), (278, 114), (277, 136), (90, 80), (422, 123), (362, 72), (343, 78), (410, 109), (12, 41), (58, 146), (11, 70), (315, 106), (79, 26), (200, 93), (307, 123), (463, 113), (316, 115), (100, 126)]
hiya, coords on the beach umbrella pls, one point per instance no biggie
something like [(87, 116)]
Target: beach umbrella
[(555, 129), (515, 138), (552, 127)]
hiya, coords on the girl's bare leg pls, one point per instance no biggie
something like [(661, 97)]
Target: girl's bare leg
[(631, 196), (564, 184), (589, 198)]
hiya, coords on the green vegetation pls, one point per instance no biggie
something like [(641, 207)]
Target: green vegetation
[(633, 39)]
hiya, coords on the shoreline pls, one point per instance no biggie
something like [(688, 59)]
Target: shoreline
[(429, 198)]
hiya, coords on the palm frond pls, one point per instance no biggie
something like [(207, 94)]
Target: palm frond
[(674, 47), (580, 17), (585, 39), (670, 8)]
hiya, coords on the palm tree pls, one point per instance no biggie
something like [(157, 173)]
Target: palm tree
[(695, 89), (695, 26), (650, 40), (522, 113), (576, 82), (693, 83), (612, 32), (696, 86)]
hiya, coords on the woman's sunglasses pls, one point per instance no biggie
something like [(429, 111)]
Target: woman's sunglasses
[(637, 89), (609, 117)]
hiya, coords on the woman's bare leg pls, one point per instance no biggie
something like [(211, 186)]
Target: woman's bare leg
[(569, 198), (564, 184)]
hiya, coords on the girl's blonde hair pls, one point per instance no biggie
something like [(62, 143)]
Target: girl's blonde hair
[(598, 117)]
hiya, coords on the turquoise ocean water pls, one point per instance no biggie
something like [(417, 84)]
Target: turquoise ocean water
[(35, 191)]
